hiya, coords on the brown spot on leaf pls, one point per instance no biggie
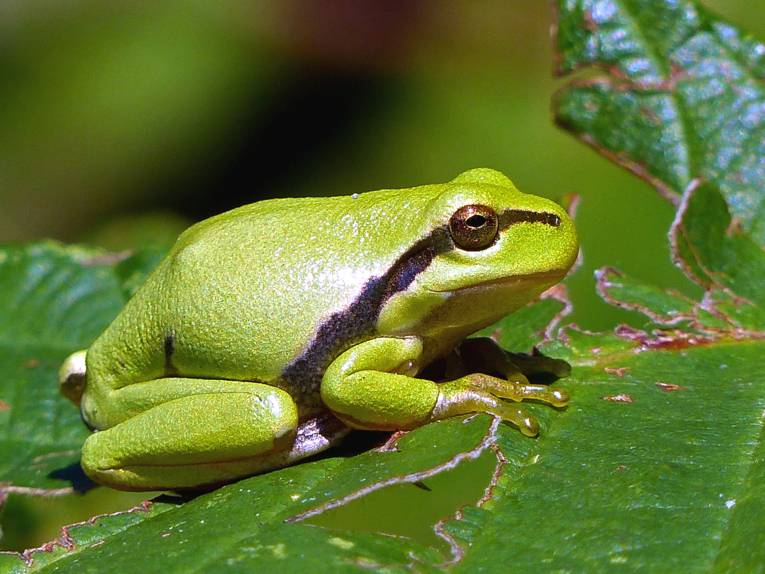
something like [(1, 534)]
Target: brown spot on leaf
[(618, 371), (671, 340), (620, 398), (4, 406), (31, 363), (621, 468), (676, 340), (669, 387), (738, 177), (628, 332), (590, 106)]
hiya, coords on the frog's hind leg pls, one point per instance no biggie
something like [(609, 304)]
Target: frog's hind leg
[(188, 433)]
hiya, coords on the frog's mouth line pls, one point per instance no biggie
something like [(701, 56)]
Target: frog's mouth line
[(552, 276)]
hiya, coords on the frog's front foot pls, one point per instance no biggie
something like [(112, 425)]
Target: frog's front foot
[(484, 393), (365, 388)]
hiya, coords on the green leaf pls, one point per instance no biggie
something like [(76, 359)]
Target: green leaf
[(651, 467), (681, 96), (648, 488), (714, 250), (661, 306), (258, 522), (53, 300)]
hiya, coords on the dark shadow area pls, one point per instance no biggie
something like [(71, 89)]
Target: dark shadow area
[(311, 111), (176, 498), (75, 476)]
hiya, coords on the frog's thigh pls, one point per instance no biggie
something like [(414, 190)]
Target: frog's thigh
[(224, 430), (370, 387)]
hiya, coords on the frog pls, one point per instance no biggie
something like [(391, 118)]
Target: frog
[(271, 331)]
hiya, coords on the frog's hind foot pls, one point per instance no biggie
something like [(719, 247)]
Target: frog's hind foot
[(72, 377)]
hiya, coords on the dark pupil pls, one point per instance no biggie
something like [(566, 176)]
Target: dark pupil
[(475, 220)]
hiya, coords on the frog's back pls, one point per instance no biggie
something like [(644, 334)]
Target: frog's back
[(249, 294)]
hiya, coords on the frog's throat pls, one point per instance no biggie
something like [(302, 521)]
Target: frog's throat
[(342, 329)]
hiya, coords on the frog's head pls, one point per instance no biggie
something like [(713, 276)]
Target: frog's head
[(491, 249)]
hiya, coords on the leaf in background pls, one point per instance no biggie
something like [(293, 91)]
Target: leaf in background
[(53, 300), (681, 97), (663, 307), (712, 248)]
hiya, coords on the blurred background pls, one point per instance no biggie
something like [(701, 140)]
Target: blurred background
[(123, 122)]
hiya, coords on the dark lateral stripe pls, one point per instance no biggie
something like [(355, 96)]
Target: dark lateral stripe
[(346, 327), (169, 348), (416, 260), (512, 216)]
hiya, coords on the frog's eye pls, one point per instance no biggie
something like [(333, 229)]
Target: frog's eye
[(473, 227)]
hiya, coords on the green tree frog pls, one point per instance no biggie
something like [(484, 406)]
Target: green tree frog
[(271, 330)]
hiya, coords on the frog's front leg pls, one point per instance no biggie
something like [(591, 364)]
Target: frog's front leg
[(371, 386), (186, 433)]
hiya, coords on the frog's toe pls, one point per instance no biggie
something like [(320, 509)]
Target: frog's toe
[(518, 390), (516, 416), (527, 424), (559, 397), (465, 396)]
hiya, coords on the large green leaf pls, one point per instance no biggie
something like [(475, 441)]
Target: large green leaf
[(681, 96), (657, 465), (244, 525)]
